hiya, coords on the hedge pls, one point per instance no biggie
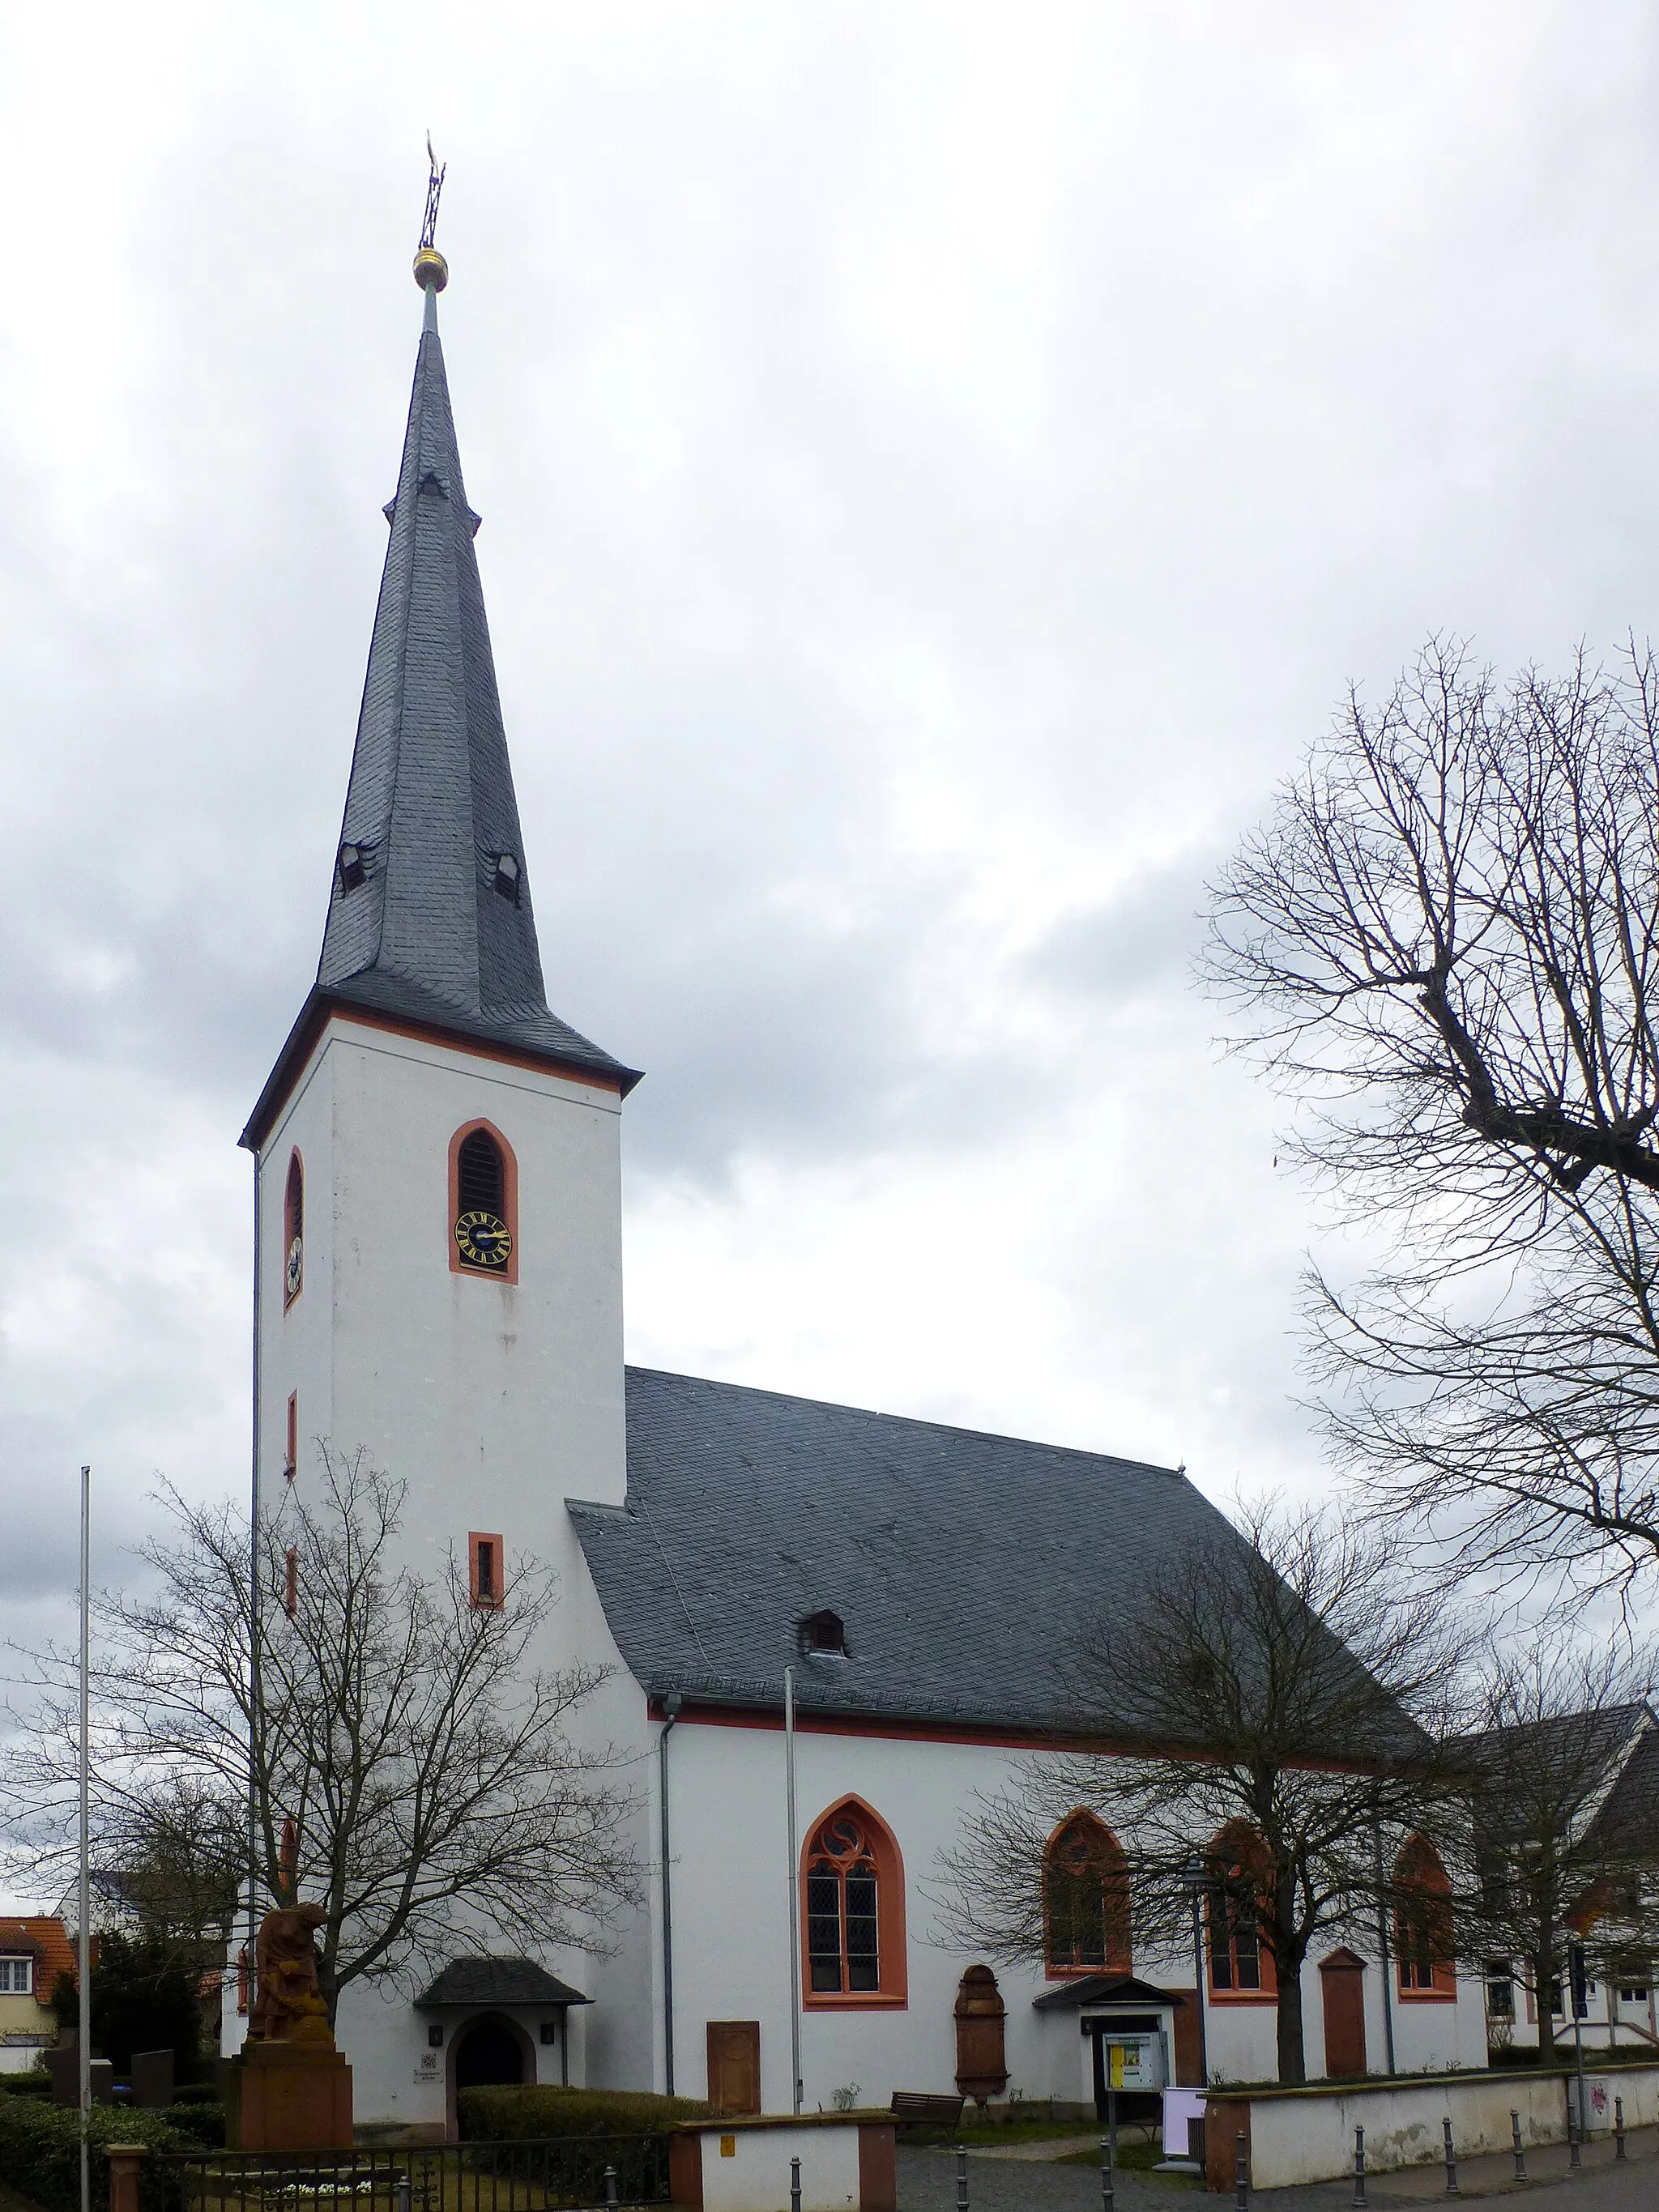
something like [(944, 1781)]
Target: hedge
[(36, 2082), (40, 2154), (530, 2115)]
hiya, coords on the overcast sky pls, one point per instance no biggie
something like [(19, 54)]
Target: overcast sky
[(939, 465)]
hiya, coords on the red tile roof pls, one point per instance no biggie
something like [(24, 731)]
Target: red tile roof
[(54, 1952)]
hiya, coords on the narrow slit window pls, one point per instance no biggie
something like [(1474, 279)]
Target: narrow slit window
[(488, 1576), (294, 1231), (291, 1463), (291, 1584)]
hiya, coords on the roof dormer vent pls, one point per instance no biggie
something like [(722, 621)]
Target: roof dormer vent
[(824, 1635), (354, 865), (507, 876)]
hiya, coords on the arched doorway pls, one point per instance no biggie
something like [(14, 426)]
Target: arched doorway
[(490, 2054)]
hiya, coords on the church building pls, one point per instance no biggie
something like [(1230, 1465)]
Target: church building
[(439, 1284)]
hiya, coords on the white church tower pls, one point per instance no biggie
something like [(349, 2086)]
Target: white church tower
[(438, 1260), (439, 1268)]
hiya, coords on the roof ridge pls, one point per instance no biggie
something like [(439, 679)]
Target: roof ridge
[(909, 1420)]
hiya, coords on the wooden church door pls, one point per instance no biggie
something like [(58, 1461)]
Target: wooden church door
[(735, 2065), (1342, 1987)]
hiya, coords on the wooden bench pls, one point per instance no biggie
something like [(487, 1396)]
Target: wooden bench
[(914, 2108)]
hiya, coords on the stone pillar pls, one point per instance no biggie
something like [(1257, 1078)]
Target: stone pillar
[(123, 2158)]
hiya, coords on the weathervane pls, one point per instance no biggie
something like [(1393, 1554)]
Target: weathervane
[(431, 270)]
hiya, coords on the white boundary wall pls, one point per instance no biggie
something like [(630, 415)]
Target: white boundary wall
[(1308, 2134)]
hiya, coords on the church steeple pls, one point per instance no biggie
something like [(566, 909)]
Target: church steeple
[(430, 919)]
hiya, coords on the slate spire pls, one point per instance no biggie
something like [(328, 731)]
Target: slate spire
[(430, 917)]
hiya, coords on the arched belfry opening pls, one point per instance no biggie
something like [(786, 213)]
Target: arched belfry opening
[(483, 1203)]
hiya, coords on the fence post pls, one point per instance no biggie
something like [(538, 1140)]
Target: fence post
[(961, 2178), (610, 2185), (402, 2192), (1242, 2173), (794, 2185), (1452, 2188), (1520, 2149), (1619, 2127), (1359, 2170), (1107, 2179), (123, 2159)]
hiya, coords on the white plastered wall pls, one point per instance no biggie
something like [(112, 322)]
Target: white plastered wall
[(493, 1400)]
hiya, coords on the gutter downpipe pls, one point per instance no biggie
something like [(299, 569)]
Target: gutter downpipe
[(670, 1706), (794, 1887)]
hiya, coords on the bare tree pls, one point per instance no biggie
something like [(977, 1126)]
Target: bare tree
[(1262, 1727), (409, 1770), (1563, 1839), (1445, 942)]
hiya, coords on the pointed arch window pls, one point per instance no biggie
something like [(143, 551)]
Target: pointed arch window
[(1236, 1875), (294, 1231), (1424, 1960), (853, 1913), (484, 1203), (1085, 1899)]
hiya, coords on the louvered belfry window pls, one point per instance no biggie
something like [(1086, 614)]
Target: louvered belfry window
[(480, 1177)]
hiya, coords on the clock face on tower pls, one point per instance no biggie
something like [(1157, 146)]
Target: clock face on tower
[(483, 1240), (296, 1268)]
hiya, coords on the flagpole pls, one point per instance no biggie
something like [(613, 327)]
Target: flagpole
[(83, 1934)]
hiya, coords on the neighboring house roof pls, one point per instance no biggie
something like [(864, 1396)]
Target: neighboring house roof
[(1627, 1818), (419, 932), (960, 1562), (1571, 1768), (487, 1981), (46, 1937)]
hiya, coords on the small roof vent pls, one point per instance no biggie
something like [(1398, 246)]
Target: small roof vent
[(353, 865), (823, 1634), (506, 876)]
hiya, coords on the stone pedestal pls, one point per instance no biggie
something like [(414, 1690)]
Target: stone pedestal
[(289, 2095)]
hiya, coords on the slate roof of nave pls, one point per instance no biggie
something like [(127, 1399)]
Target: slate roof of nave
[(958, 1561)]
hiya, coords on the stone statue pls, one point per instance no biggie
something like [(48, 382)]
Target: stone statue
[(290, 2006)]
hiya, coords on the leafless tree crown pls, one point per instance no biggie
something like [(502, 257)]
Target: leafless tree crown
[(426, 1764), (1445, 943)]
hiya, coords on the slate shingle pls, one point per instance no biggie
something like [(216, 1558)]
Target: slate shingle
[(425, 936), (958, 1561)]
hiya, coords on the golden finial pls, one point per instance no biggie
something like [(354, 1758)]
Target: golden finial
[(431, 270)]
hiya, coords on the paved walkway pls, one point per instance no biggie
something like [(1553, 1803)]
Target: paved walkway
[(1025, 2178)]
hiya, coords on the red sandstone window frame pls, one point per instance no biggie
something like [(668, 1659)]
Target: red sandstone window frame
[(892, 1989), (1424, 1963), (1232, 1852), (1098, 1850), (294, 1223), (490, 1600), (510, 1203)]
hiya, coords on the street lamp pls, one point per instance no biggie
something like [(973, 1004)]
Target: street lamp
[(1193, 1881)]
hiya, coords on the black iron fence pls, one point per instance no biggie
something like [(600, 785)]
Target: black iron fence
[(559, 2175)]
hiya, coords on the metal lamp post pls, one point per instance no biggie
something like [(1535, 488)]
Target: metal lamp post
[(1192, 1879)]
